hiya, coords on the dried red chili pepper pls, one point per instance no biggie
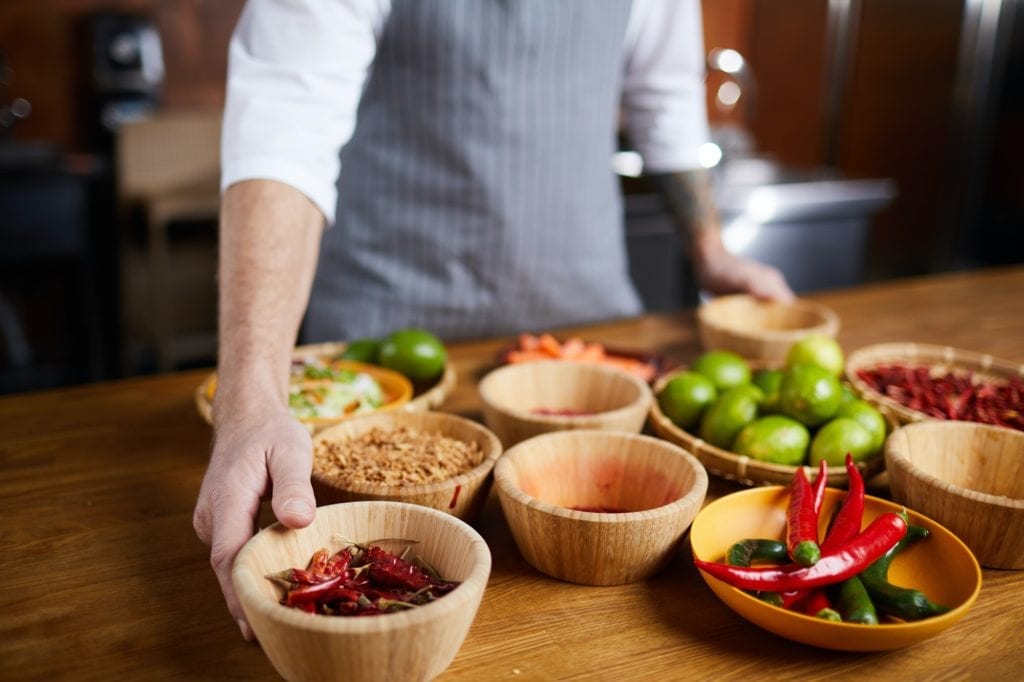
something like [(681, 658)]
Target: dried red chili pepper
[(851, 514), (802, 522), (838, 565)]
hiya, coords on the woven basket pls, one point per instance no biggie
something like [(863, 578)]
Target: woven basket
[(741, 468), (425, 398), (940, 358)]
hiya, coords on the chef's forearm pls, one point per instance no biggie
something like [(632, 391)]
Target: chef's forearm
[(690, 201), (269, 243)]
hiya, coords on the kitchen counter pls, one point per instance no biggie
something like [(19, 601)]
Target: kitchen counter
[(105, 579)]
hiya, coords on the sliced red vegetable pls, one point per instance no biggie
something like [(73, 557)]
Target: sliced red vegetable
[(838, 565), (851, 514), (802, 522)]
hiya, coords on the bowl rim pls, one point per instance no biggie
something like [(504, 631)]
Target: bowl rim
[(504, 478), (492, 453), (952, 616), (829, 319), (244, 581), (895, 453), (641, 402)]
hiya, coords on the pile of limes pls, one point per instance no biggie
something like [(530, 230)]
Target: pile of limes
[(416, 353), (800, 414)]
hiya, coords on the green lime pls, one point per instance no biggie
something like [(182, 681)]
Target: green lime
[(685, 396), (362, 350), (818, 350), (836, 438), (769, 380), (775, 439), (727, 416), (809, 394), (416, 353), (724, 368), (867, 416)]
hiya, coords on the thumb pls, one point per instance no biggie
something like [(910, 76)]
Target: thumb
[(290, 468)]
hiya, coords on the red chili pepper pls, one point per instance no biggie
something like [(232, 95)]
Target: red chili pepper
[(817, 600), (319, 561), (836, 566), (802, 522), (851, 515), (820, 483), (312, 593), (338, 563)]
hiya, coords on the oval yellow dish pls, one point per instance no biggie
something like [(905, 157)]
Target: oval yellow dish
[(941, 566)]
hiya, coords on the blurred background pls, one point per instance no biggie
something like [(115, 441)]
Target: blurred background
[(854, 141)]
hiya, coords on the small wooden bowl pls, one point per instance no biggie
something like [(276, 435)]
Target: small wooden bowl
[(940, 358), (417, 644), (462, 495), (658, 486), (970, 478), (762, 330), (612, 399), (744, 469)]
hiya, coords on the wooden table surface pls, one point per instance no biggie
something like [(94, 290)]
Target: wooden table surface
[(104, 578)]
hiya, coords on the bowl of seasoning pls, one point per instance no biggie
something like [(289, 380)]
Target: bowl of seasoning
[(924, 587), (335, 601), (598, 507), (524, 400), (434, 459), (970, 478)]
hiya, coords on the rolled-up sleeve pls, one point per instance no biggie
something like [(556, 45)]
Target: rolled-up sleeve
[(663, 99), (296, 70)]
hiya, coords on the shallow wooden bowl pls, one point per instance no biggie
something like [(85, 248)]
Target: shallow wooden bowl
[(744, 469), (968, 477), (462, 495), (420, 397), (613, 399), (417, 644), (940, 566), (657, 488), (762, 330)]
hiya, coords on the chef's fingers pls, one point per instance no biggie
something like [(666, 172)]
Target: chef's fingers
[(768, 282), (290, 465), (232, 512)]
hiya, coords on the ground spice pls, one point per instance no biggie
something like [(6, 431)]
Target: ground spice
[(394, 457)]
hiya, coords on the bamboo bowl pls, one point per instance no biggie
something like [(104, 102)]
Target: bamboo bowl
[(761, 330), (417, 644), (612, 399), (462, 495), (657, 486), (968, 477)]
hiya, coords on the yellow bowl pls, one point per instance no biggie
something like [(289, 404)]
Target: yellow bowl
[(941, 566)]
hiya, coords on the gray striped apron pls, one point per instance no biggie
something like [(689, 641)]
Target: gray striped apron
[(476, 196)]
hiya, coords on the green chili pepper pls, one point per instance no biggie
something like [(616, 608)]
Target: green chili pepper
[(901, 602), (854, 602)]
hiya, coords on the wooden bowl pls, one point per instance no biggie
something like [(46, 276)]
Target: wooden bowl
[(970, 478), (462, 495), (657, 487), (417, 644), (761, 330), (601, 398), (741, 468), (940, 566), (940, 359), (421, 398)]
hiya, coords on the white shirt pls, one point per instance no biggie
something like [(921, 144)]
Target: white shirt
[(297, 68)]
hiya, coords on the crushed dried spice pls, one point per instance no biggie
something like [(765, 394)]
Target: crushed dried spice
[(393, 457)]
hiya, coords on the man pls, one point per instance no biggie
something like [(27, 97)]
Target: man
[(475, 195)]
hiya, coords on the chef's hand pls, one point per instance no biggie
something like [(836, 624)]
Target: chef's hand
[(263, 451), (722, 272)]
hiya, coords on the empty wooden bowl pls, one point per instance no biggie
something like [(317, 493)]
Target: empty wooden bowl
[(968, 477), (461, 495), (524, 400), (634, 498), (417, 644), (761, 330)]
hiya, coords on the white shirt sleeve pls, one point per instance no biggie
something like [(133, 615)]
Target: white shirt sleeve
[(296, 71), (663, 97)]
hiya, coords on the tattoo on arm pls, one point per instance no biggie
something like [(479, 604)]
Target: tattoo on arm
[(689, 199)]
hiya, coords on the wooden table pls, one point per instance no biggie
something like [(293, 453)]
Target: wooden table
[(104, 579)]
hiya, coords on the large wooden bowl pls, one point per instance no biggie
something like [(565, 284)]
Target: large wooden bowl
[(462, 495), (762, 330), (600, 397), (417, 644), (968, 477), (741, 468), (656, 487)]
